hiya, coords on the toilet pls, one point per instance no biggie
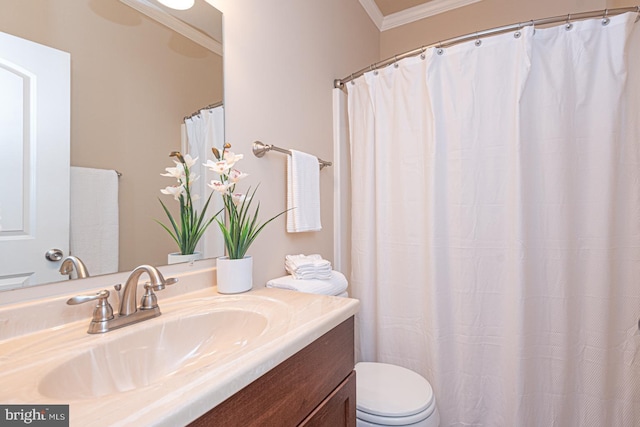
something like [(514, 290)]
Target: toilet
[(386, 395), (390, 395)]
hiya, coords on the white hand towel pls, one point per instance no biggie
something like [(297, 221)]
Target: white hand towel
[(334, 286), (303, 259), (308, 266), (94, 226), (303, 192), (308, 275), (306, 263)]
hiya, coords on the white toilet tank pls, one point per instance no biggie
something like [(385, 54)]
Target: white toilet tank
[(390, 395)]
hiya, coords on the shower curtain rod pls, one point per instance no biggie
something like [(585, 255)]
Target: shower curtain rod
[(208, 107), (339, 83)]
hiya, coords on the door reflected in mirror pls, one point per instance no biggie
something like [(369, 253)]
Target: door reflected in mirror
[(132, 82)]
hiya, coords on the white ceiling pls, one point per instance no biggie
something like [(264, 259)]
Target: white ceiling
[(387, 14)]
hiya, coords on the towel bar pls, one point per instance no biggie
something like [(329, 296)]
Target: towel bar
[(259, 148)]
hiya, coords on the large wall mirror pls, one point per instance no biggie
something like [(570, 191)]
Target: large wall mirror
[(133, 79)]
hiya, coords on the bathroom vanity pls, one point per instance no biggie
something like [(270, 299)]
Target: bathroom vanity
[(314, 387), (265, 357)]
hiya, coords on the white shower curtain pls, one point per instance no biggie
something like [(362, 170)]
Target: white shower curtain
[(201, 133), (496, 224)]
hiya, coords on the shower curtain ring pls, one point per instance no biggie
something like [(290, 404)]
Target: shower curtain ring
[(533, 25), (568, 25), (440, 50), (395, 62), (605, 19), (422, 55), (353, 82), (478, 41), (518, 33)]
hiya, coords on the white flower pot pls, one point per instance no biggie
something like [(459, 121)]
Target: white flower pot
[(177, 257), (234, 275)]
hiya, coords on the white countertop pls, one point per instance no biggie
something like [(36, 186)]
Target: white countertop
[(294, 320)]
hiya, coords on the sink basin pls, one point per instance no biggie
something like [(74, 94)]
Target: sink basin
[(147, 355)]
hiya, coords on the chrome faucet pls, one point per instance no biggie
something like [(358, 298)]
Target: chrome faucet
[(103, 319), (149, 300), (71, 263)]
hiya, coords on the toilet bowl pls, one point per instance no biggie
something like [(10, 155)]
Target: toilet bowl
[(390, 395)]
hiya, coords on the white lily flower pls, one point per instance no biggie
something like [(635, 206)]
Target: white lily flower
[(175, 191), (219, 186), (189, 161), (239, 198), (177, 172), (210, 164), (220, 167), (235, 175), (193, 178), (231, 158)]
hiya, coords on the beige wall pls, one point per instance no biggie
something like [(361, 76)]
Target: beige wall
[(621, 3), (280, 61), (132, 81), (481, 16)]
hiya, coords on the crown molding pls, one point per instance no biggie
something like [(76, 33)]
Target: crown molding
[(175, 24), (412, 14), (373, 11)]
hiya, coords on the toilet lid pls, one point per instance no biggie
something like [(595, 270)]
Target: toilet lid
[(390, 390)]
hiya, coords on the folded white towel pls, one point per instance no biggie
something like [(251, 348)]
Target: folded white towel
[(308, 266), (311, 275), (303, 260), (336, 285), (303, 192)]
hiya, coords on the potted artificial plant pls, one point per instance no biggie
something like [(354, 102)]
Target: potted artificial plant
[(240, 227)]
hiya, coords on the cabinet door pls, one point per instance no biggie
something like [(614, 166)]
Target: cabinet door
[(338, 409), (297, 387)]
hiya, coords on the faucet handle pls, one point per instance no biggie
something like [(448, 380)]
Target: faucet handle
[(102, 311), (86, 298), (165, 282), (149, 300)]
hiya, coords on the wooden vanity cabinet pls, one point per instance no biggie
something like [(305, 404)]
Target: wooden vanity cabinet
[(314, 387)]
